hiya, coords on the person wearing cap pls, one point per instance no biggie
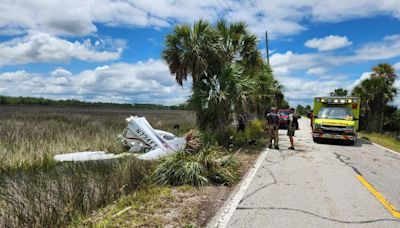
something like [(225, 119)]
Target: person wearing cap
[(292, 127), (272, 127)]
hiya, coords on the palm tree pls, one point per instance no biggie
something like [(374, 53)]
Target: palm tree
[(190, 50), (219, 59), (375, 93), (239, 45)]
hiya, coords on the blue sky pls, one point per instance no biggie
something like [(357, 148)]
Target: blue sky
[(109, 51)]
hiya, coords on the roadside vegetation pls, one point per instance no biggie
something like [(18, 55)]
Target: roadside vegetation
[(385, 140), (376, 92)]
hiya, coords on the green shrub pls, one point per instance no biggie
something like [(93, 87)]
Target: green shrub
[(206, 166), (255, 129), (228, 137)]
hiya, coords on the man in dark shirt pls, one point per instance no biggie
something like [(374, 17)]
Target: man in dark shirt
[(293, 117), (272, 127)]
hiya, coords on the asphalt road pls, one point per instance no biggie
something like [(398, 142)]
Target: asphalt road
[(322, 185)]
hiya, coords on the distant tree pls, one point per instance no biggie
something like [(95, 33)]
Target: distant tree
[(308, 109), (300, 109), (340, 92)]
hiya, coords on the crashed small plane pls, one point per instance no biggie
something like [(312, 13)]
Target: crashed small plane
[(142, 140)]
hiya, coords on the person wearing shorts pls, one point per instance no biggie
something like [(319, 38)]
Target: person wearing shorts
[(272, 127), (292, 127)]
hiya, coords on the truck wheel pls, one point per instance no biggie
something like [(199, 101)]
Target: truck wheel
[(316, 140), (351, 142)]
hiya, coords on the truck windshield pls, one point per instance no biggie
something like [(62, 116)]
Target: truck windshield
[(337, 113)]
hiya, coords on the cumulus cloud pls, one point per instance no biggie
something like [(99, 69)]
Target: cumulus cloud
[(300, 90), (365, 75), (328, 43), (140, 82), (387, 48), (318, 71), (281, 18), (41, 47)]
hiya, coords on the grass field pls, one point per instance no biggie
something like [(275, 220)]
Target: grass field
[(32, 135), (383, 140)]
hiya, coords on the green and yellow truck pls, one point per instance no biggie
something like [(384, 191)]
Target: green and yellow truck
[(336, 118)]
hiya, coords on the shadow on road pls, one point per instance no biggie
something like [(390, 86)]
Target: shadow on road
[(358, 143)]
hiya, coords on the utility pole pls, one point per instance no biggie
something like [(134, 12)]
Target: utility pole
[(266, 45)]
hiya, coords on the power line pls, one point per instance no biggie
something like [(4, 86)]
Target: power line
[(229, 11)]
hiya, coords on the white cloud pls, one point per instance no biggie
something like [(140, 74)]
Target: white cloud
[(281, 18), (299, 90), (41, 47), (141, 82), (396, 66), (318, 71), (388, 48), (365, 75), (328, 43)]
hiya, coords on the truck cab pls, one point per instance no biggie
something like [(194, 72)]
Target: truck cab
[(336, 118)]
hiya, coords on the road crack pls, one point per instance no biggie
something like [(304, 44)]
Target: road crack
[(344, 159)]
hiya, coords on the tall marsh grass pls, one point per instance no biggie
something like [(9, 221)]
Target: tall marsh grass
[(52, 198), (32, 135)]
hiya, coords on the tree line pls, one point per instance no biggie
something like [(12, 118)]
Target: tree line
[(9, 100)]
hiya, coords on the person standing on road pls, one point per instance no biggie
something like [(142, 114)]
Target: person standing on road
[(292, 127), (272, 127), (311, 119)]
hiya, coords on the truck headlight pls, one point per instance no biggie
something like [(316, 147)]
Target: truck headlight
[(317, 126)]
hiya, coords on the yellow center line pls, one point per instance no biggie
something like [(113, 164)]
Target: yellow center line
[(380, 197)]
